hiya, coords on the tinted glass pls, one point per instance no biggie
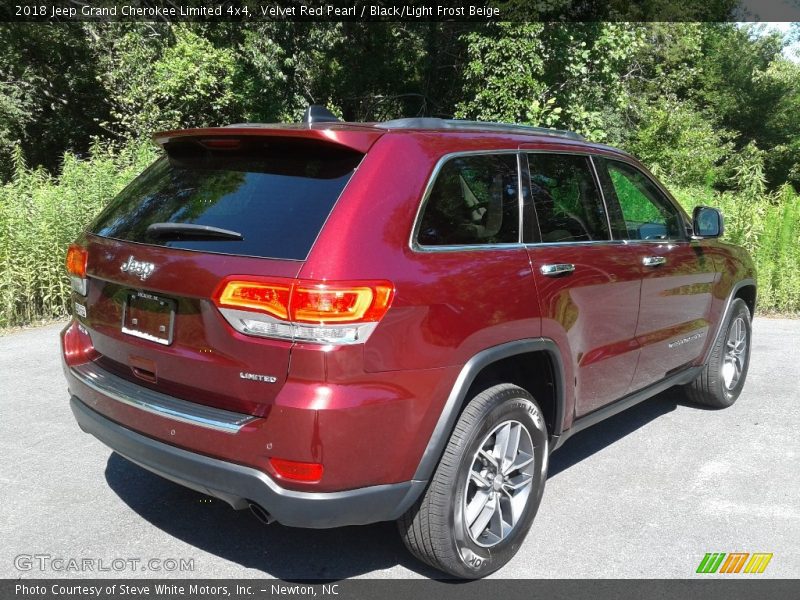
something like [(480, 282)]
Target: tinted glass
[(276, 195), (646, 214), (474, 200), (568, 205)]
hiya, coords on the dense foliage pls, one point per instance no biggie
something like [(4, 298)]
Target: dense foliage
[(711, 108)]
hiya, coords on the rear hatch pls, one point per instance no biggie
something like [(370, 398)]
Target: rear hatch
[(216, 205)]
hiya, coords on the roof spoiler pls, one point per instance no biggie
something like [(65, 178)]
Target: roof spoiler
[(359, 140)]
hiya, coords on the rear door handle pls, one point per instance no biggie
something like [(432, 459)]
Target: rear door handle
[(653, 261), (557, 269)]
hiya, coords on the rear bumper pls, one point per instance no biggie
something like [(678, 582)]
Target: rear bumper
[(238, 485)]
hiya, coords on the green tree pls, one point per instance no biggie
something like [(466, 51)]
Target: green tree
[(168, 78), (49, 100), (555, 75), (678, 143)]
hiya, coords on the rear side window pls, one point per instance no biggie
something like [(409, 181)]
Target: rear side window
[(276, 194), (474, 201), (568, 206)]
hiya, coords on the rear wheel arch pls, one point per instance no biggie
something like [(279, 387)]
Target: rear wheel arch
[(487, 368)]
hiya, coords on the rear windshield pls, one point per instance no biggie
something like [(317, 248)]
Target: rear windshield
[(276, 194)]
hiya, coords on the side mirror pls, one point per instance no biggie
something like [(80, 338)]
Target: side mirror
[(707, 222)]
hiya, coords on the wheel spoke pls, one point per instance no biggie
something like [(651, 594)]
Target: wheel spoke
[(518, 482), (522, 460), (489, 457), (501, 442), (513, 446), (479, 479), (497, 524), (484, 516), (476, 505)]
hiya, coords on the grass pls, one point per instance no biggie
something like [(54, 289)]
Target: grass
[(768, 226), (40, 215)]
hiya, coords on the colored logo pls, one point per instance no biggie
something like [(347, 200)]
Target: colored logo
[(734, 562)]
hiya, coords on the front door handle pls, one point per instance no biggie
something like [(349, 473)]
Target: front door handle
[(653, 261), (557, 269)]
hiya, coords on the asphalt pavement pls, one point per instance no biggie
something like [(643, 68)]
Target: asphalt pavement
[(643, 495)]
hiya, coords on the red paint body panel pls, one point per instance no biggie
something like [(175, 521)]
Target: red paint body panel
[(591, 314), (204, 361), (675, 308)]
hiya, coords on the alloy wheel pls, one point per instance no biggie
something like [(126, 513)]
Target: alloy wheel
[(735, 354), (499, 484)]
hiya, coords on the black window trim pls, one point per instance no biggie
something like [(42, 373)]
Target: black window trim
[(533, 226), (665, 195), (413, 242)]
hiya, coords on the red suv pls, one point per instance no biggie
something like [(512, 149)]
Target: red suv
[(342, 323)]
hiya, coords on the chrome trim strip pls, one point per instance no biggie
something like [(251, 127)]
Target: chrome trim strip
[(156, 403), (236, 320), (579, 243), (467, 247)]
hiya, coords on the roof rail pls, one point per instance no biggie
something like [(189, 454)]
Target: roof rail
[(459, 124)]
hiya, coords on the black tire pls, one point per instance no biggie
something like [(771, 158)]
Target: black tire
[(434, 529), (710, 389)]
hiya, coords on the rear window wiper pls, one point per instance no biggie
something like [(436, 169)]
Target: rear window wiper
[(192, 230)]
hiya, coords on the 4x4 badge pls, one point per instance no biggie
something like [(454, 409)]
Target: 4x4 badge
[(138, 267)]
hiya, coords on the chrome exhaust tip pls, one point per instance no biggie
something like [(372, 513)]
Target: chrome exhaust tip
[(260, 514)]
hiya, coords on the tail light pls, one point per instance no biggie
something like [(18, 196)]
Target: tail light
[(77, 257), (297, 471), (310, 311)]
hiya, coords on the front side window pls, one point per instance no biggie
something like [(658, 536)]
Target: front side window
[(645, 213), (474, 201), (568, 206)]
